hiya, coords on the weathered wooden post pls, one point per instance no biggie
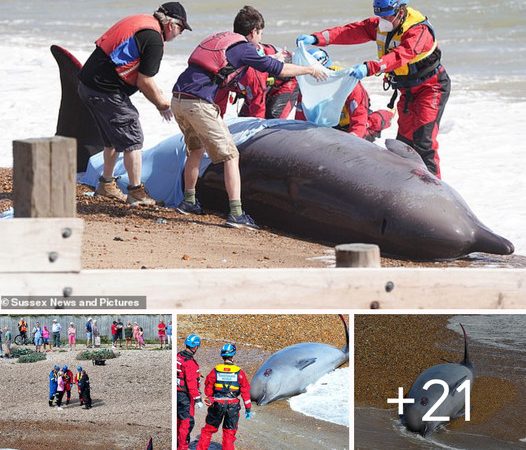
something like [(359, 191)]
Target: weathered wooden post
[(44, 177), (357, 255)]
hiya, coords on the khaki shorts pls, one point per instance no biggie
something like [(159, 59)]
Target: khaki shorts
[(203, 127)]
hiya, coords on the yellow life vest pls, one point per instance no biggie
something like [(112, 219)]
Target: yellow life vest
[(413, 18), (345, 116), (227, 380)]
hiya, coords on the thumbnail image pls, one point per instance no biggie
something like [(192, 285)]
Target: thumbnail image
[(262, 381), (440, 381), (76, 381)]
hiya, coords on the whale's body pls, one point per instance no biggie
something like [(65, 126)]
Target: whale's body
[(322, 184)]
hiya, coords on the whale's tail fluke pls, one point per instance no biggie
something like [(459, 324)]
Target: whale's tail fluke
[(74, 119)]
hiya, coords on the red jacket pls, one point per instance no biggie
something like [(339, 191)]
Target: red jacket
[(253, 86), (415, 41), (244, 386), (188, 374)]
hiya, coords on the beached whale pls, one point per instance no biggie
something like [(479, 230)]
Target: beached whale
[(289, 371), (317, 183), (453, 406)]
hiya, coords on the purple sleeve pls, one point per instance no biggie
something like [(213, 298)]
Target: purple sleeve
[(245, 54)]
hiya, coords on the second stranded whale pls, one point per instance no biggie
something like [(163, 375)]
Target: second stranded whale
[(317, 183), (289, 371)]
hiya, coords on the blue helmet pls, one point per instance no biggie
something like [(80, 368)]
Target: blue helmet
[(55, 367), (64, 368), (321, 56), (383, 8), (79, 368), (192, 341), (228, 350)]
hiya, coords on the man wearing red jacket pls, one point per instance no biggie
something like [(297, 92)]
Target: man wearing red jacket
[(409, 57), (188, 394), (265, 96), (356, 117), (223, 385)]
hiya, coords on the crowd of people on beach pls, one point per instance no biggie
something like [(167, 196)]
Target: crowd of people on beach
[(61, 381), (128, 55), (47, 339)]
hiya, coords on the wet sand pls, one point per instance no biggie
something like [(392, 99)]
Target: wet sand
[(257, 337), (391, 351)]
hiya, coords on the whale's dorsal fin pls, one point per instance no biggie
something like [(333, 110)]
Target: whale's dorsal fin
[(302, 363), (403, 150)]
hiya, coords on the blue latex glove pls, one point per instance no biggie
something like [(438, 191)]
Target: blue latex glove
[(307, 39), (359, 71), (249, 414)]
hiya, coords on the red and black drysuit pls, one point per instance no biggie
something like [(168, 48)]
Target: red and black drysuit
[(357, 117), (266, 97), (223, 385), (424, 88), (187, 393)]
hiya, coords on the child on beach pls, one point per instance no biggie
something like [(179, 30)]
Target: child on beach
[(72, 336), (140, 337), (37, 333), (61, 386), (136, 334), (45, 337), (128, 334)]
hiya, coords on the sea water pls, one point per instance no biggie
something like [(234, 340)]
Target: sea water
[(326, 399), (482, 137)]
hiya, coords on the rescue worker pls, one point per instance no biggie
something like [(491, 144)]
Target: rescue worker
[(188, 395), (356, 117), (409, 57), (82, 380), (217, 62), (223, 385), (265, 97), (53, 384), (22, 329), (126, 59), (68, 380)]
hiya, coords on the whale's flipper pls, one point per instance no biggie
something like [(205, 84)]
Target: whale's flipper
[(403, 150), (74, 119)]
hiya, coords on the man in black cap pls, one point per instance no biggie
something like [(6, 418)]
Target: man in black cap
[(126, 59)]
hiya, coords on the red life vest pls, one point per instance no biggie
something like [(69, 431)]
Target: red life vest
[(210, 55), (120, 46), (183, 360)]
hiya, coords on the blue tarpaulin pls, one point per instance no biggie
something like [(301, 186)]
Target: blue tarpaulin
[(163, 165)]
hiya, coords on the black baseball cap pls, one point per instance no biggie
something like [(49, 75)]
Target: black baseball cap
[(176, 11)]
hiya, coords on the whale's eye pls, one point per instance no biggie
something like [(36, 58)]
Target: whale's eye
[(267, 372), (424, 401)]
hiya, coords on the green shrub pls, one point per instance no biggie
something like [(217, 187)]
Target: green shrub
[(33, 357), (19, 351), (102, 353)]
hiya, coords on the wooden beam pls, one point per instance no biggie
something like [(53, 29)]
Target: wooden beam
[(41, 245), (44, 171), (220, 289)]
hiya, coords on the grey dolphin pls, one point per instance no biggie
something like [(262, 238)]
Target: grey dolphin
[(454, 374), (325, 185), (289, 371)]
